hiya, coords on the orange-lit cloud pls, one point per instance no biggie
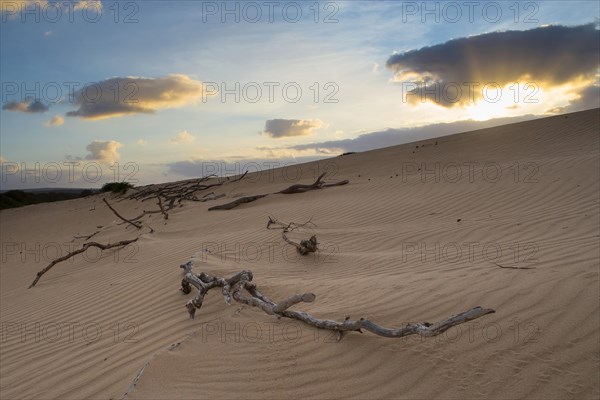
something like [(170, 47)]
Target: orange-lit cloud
[(281, 128), (104, 151), (28, 105), (88, 4), (12, 8), (454, 73), (57, 120), (120, 96), (183, 137)]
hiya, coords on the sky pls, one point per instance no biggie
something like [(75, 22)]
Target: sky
[(155, 91)]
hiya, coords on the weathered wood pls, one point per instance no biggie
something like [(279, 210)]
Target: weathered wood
[(207, 197), (243, 290), (318, 184), (305, 246), (237, 202), (509, 267), (299, 188), (162, 209), (175, 191), (138, 226), (86, 237), (83, 248), (241, 177)]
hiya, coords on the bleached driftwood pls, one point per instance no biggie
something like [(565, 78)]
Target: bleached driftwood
[(83, 248), (241, 288)]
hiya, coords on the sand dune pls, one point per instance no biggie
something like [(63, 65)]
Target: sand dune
[(398, 244)]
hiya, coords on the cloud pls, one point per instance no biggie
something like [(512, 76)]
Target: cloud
[(141, 142), (393, 137), (587, 99), (95, 5), (57, 120), (120, 96), (183, 137), (104, 151), (548, 56), (234, 166), (28, 105), (12, 8), (281, 128), (8, 169)]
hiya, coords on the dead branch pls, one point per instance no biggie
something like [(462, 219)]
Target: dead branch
[(209, 197), (162, 209), (241, 288), (502, 266), (305, 246), (144, 213), (175, 191), (237, 202), (318, 184), (118, 215), (299, 188), (83, 248), (287, 227), (241, 177), (194, 189), (84, 237)]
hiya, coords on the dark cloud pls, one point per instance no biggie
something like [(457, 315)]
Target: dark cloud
[(551, 55), (29, 105), (280, 128), (120, 96), (393, 137)]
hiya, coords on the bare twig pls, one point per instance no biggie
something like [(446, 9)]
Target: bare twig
[(84, 237), (287, 227), (502, 266), (138, 226), (83, 248), (305, 246), (299, 188), (241, 177)]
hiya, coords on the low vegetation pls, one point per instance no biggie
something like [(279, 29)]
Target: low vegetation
[(20, 198), (116, 187)]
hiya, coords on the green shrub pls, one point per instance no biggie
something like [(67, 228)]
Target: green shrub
[(116, 187)]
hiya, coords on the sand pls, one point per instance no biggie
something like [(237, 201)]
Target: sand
[(397, 246)]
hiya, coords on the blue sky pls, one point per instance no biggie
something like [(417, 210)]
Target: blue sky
[(353, 67)]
